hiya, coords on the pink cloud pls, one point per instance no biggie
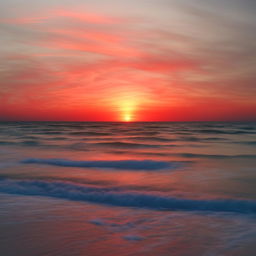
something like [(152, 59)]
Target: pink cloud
[(81, 59)]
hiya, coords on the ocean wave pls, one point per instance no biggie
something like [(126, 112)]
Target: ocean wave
[(20, 143), (141, 132), (90, 133), (151, 138), (250, 143), (7, 143), (199, 139), (71, 191), (214, 156), (119, 144), (119, 164), (224, 131)]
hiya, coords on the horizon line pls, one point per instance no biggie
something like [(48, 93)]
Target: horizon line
[(75, 121)]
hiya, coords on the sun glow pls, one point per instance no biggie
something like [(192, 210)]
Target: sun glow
[(127, 118), (127, 109)]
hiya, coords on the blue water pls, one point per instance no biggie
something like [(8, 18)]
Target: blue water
[(127, 188)]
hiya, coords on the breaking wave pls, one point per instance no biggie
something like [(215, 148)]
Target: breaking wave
[(71, 191), (119, 164)]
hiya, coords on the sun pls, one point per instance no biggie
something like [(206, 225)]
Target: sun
[(127, 118), (127, 107)]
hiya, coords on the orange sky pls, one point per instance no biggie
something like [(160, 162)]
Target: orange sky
[(137, 61)]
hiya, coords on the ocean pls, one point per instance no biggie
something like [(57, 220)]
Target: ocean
[(105, 188)]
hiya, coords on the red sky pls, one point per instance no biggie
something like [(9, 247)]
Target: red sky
[(137, 61)]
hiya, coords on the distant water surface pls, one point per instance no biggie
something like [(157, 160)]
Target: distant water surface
[(182, 189)]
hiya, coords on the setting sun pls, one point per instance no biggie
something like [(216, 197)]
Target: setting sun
[(127, 108), (127, 118)]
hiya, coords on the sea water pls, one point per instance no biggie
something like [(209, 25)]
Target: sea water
[(85, 188)]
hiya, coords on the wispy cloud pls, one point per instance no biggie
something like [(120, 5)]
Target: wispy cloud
[(88, 59)]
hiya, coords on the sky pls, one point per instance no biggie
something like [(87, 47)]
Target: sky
[(136, 60)]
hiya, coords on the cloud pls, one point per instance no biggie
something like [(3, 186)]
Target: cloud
[(67, 64)]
